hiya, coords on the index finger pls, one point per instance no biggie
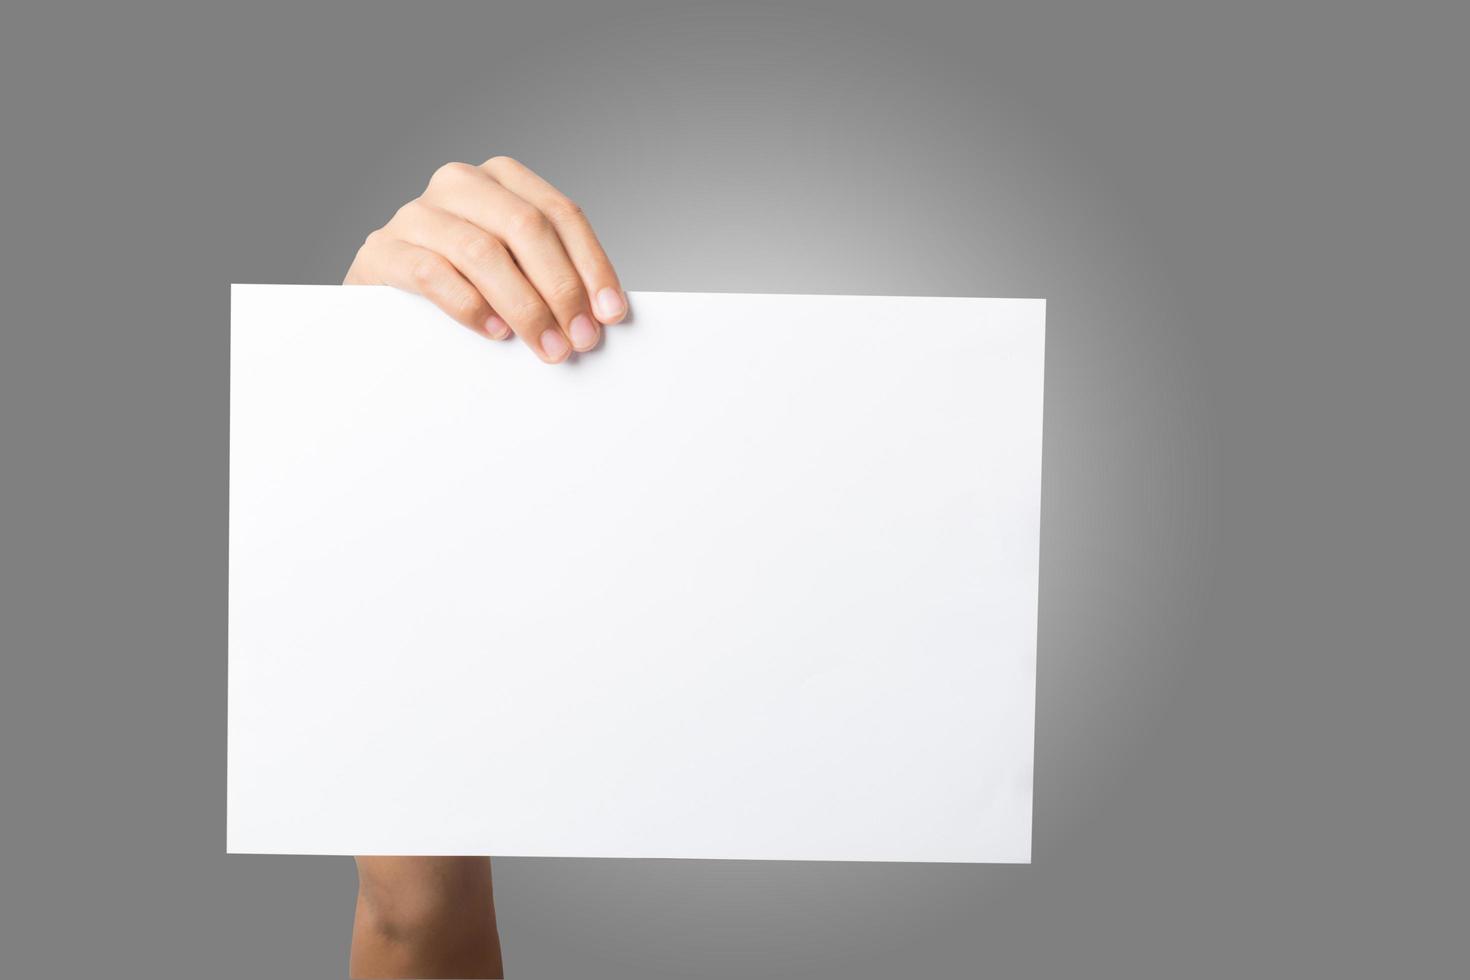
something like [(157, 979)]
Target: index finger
[(574, 230)]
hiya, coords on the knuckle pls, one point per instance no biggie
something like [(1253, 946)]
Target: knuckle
[(531, 312), (458, 300), (565, 292), (526, 221), (465, 305), (501, 162), (374, 240), (565, 209), (408, 212), (450, 174), (429, 271), (479, 248)]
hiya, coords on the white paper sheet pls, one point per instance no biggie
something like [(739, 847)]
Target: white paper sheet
[(756, 579)]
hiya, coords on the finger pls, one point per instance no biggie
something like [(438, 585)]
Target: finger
[(473, 195), (575, 231), (419, 270), (483, 260)]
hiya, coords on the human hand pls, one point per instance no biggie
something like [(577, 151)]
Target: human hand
[(503, 252)]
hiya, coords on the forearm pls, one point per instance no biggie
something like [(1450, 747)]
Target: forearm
[(425, 917)]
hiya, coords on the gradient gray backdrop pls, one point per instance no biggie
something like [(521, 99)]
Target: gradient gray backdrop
[(1250, 221)]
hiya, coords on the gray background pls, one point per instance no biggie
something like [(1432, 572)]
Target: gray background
[(1251, 223)]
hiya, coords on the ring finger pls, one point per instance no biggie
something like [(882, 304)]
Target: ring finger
[(484, 260), (522, 228)]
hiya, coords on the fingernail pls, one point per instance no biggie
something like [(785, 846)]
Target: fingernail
[(610, 304), (584, 332), (496, 327), (554, 344)]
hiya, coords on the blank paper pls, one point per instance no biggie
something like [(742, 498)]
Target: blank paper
[(755, 579)]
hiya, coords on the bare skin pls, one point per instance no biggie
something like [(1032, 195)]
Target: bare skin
[(425, 917), (505, 253)]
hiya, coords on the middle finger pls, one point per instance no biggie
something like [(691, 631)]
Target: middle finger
[(475, 196)]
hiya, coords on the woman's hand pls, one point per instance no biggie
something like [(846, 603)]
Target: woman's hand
[(501, 251)]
